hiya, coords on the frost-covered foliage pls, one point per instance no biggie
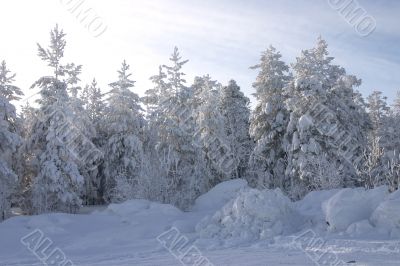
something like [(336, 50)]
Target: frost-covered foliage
[(234, 107), (211, 136), (153, 186), (382, 162), (326, 123), (9, 138), (378, 110), (92, 108), (55, 180), (85, 126), (268, 122), (197, 134), (93, 102), (7, 90), (123, 149), (179, 159)]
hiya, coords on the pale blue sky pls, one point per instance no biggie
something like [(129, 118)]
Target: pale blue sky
[(221, 38)]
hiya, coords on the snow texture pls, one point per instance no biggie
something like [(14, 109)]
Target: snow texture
[(242, 226)]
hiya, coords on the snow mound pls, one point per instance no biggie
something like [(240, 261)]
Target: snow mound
[(360, 229), (387, 216), (349, 206), (310, 207), (219, 195), (252, 215)]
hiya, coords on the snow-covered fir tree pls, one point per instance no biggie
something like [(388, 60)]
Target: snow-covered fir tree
[(153, 96), (9, 91), (155, 183), (95, 107), (378, 110), (123, 149), (210, 136), (323, 110), (383, 141), (268, 122), (396, 104), (91, 107), (55, 181), (93, 102), (234, 107), (25, 169), (83, 123), (178, 157), (391, 149), (9, 138)]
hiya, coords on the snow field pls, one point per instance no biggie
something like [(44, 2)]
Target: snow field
[(224, 225)]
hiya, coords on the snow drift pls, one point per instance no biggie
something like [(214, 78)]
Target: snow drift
[(387, 215), (251, 215), (351, 205)]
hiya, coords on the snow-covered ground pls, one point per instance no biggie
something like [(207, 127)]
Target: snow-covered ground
[(231, 225)]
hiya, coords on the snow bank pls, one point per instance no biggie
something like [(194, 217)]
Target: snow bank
[(239, 214), (219, 195), (252, 215), (351, 205), (387, 215), (355, 213), (310, 208)]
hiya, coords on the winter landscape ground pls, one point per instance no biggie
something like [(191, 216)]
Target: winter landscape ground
[(230, 225)]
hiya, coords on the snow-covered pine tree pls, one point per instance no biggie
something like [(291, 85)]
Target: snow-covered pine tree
[(378, 111), (179, 158), (396, 104), (83, 123), (27, 115), (93, 102), (24, 168), (95, 107), (268, 122), (234, 107), (174, 75), (210, 136), (9, 91), (391, 149), (123, 149), (353, 125), (153, 101), (323, 107), (153, 96), (55, 179), (154, 186), (382, 141), (89, 107), (9, 138)]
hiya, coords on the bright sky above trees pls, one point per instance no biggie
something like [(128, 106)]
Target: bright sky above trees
[(222, 38)]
